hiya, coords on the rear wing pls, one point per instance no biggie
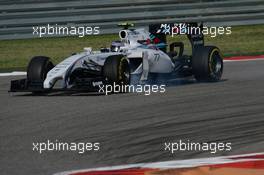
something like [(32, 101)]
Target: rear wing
[(193, 30)]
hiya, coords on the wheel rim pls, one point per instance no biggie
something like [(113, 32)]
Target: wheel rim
[(124, 73), (216, 64), (47, 69)]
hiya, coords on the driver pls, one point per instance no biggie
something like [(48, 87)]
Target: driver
[(115, 46)]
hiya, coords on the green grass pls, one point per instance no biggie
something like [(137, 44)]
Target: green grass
[(244, 40)]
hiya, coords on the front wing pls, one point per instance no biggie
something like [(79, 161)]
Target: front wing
[(85, 84)]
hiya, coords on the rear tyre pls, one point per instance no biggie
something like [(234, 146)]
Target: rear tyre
[(117, 70), (38, 68), (207, 64)]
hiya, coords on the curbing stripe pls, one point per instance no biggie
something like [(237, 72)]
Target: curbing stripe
[(247, 161)]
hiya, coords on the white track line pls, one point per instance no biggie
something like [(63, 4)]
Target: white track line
[(15, 73)]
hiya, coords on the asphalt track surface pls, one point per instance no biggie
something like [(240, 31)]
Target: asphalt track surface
[(132, 128)]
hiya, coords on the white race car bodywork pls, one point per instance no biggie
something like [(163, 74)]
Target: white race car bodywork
[(153, 59), (138, 52)]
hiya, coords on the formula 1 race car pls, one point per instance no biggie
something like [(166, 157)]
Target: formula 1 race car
[(138, 52)]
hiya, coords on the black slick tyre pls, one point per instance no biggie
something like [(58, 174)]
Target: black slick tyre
[(117, 70), (38, 68), (207, 64)]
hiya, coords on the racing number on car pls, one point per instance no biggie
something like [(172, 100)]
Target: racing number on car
[(156, 57)]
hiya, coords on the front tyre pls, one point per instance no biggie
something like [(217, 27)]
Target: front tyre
[(117, 70), (207, 64), (38, 68)]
